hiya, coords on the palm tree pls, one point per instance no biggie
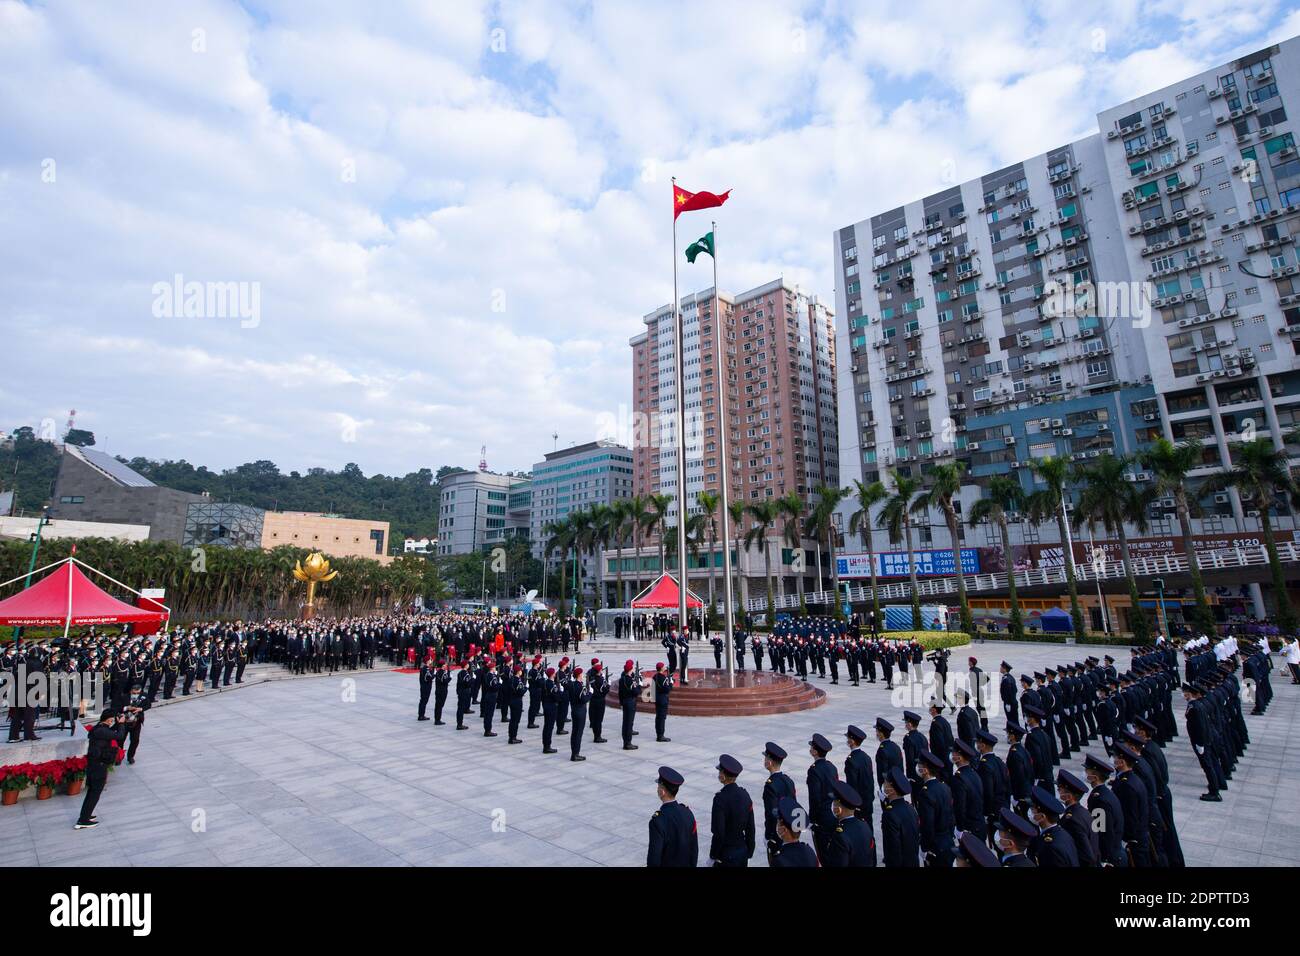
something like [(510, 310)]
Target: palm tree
[(1111, 500), (1261, 474), (896, 519), (1050, 503), (945, 483), (790, 508), (821, 527), (582, 531), (764, 515), (560, 536), (596, 541), (708, 518), (740, 594), (618, 520), (639, 519), (1004, 496), (1169, 465), (867, 497), (659, 505)]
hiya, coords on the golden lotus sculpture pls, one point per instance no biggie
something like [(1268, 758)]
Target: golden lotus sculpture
[(314, 569)]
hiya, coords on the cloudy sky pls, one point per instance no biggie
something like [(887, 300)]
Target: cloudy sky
[(447, 219)]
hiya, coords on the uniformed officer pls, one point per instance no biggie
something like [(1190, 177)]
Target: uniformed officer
[(1015, 834), (1053, 847), (932, 800), (993, 776), (858, 774), (776, 788), (1075, 820), (888, 756), (551, 691), (441, 684), (900, 832), (853, 843), (663, 688), (629, 689), (599, 691), (972, 851), (821, 775), (515, 689), (790, 821), (426, 688), (968, 791), (1104, 808), (491, 686), (732, 818), (579, 699), (673, 837), (464, 692)]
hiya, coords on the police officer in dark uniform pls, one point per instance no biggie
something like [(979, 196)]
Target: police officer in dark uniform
[(858, 774), (599, 682), (790, 821), (1104, 808), (968, 791), (663, 688), (974, 852), (821, 776), (464, 694), (515, 689), (552, 691), (491, 686), (1014, 836), (888, 756), (1075, 820), (579, 698), (629, 689), (732, 818), (776, 788), (900, 830), (932, 800), (1053, 847), (852, 844), (441, 684), (673, 837), (426, 688)]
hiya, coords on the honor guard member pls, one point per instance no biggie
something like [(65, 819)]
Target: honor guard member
[(579, 698), (756, 647), (464, 694), (441, 684), (1015, 834), (491, 687), (562, 701), (629, 689), (1200, 732), (551, 692), (1008, 690), (426, 688), (1104, 809), (669, 641), (515, 689), (663, 687), (793, 852), (852, 844), (1020, 767), (1053, 847), (171, 672), (776, 788), (717, 651), (932, 800), (536, 678), (673, 837), (913, 743), (732, 818), (1075, 820), (888, 756), (974, 852), (1038, 745), (941, 738), (968, 791), (968, 723), (993, 776), (858, 774), (821, 776), (900, 830), (1135, 805), (599, 691), (684, 656)]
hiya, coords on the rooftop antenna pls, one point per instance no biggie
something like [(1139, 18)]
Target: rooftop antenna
[(555, 441), (482, 458), (72, 422)]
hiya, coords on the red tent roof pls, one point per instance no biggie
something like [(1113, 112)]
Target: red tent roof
[(67, 595), (665, 594)]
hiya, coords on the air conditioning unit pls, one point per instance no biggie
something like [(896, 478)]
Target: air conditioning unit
[(1038, 399), (1252, 514), (1067, 432), (1144, 476), (1150, 417), (1221, 499), (1103, 427), (1094, 454), (1057, 423)]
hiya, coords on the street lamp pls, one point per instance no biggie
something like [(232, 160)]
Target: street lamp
[(1160, 607)]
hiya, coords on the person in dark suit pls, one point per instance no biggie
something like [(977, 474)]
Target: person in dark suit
[(1075, 820), (853, 843), (1104, 808), (888, 756), (900, 830), (776, 788), (821, 777), (1015, 834), (674, 840), (790, 822), (858, 775), (732, 818)]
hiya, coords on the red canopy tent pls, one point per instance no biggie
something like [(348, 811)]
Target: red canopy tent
[(663, 593), (66, 596)]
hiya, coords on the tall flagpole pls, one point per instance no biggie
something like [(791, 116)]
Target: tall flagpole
[(679, 346), (720, 377)]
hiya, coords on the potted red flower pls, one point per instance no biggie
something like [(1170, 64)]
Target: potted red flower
[(74, 774), (47, 776), (14, 779)]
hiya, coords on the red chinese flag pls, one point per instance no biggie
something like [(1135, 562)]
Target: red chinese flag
[(684, 201)]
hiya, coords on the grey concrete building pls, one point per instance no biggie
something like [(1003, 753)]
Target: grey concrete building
[(94, 486)]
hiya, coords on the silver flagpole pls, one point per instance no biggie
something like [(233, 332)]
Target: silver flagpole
[(679, 345), (720, 377)]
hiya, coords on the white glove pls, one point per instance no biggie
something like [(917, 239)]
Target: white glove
[(1199, 751)]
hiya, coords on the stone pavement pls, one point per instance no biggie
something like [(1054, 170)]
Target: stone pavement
[(337, 771)]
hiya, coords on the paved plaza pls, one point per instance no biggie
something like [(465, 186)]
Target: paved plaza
[(337, 771)]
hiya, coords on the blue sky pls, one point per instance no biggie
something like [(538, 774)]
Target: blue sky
[(455, 215)]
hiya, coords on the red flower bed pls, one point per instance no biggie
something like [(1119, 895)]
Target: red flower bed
[(49, 773)]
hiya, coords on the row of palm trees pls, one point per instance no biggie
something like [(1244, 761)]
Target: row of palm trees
[(1106, 497)]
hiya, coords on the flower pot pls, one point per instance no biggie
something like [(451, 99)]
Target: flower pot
[(44, 792), (74, 787), (9, 798)]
